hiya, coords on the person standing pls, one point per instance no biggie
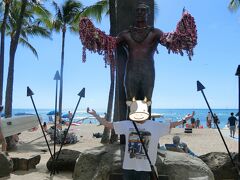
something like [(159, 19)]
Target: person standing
[(197, 123), (209, 120), (193, 122), (135, 163), (215, 120), (232, 124), (58, 121), (69, 115)]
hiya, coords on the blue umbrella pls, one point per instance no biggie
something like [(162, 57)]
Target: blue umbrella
[(22, 114), (3, 115), (65, 115), (51, 113)]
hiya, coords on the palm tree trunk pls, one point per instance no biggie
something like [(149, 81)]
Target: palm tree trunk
[(3, 28), (106, 132), (13, 49), (61, 72)]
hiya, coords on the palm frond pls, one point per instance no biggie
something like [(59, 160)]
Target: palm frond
[(58, 15), (74, 28), (234, 5), (70, 9), (27, 44), (24, 34), (38, 31), (96, 10), (57, 24), (45, 22), (41, 11)]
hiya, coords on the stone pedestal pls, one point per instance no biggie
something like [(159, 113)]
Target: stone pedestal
[(6, 165), (66, 160), (25, 163)]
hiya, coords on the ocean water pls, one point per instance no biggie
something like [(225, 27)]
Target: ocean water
[(168, 114), (176, 114)]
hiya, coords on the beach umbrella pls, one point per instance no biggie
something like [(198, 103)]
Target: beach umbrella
[(22, 114), (65, 115), (51, 113)]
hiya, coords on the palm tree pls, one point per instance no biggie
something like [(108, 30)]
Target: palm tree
[(64, 19), (3, 27), (24, 21), (106, 132), (67, 17), (234, 5)]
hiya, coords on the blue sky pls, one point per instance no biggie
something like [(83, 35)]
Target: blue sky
[(214, 64)]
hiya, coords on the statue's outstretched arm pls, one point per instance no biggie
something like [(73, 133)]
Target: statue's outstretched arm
[(183, 38), (96, 40)]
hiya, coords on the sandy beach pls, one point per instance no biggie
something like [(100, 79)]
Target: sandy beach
[(201, 141)]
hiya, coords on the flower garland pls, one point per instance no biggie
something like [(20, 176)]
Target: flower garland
[(184, 37), (95, 40)]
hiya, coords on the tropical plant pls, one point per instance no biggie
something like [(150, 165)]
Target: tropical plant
[(234, 5), (5, 5), (67, 17), (64, 19), (106, 133), (24, 20)]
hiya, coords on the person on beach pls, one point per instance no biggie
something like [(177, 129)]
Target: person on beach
[(232, 124), (45, 127), (209, 120), (193, 122), (197, 123), (215, 120), (181, 145), (58, 121), (135, 163), (2, 138), (69, 115)]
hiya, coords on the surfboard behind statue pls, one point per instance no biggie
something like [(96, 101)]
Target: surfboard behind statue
[(18, 124)]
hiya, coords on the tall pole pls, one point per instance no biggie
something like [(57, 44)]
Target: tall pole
[(56, 78), (80, 94), (30, 94), (200, 87), (238, 74)]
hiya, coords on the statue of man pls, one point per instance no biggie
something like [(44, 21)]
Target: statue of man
[(141, 42)]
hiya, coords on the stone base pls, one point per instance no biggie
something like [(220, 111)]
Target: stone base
[(66, 160), (6, 165), (25, 163), (119, 176)]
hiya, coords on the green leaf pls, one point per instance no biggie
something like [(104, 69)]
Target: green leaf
[(28, 45)]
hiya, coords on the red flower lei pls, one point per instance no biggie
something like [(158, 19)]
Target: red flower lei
[(95, 40)]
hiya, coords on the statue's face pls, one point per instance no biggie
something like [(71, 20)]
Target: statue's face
[(141, 14)]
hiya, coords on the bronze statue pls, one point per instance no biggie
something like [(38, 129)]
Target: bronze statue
[(140, 42)]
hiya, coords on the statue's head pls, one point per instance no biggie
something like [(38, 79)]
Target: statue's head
[(138, 109), (142, 11)]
